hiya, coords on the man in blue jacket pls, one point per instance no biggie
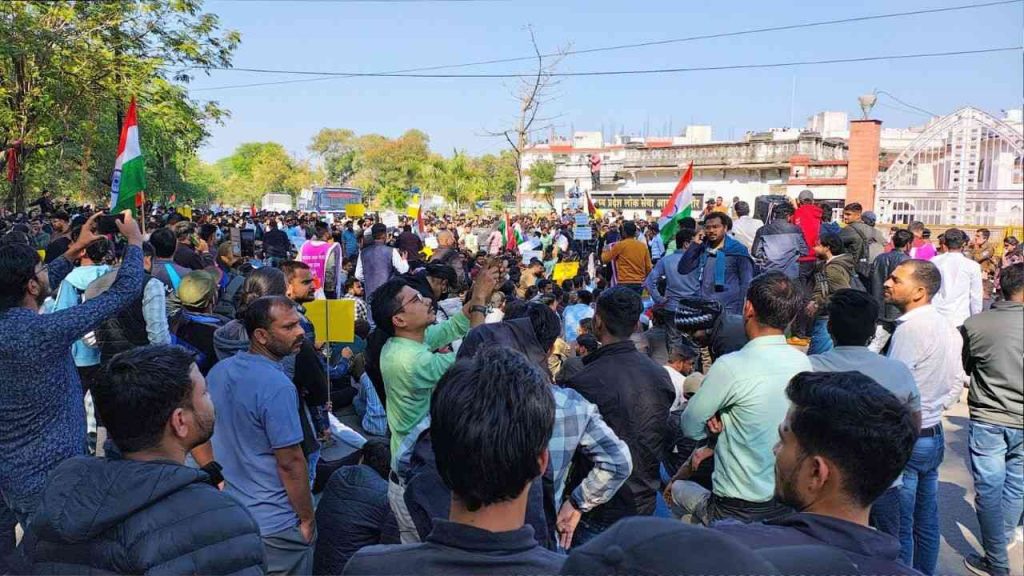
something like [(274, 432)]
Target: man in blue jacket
[(147, 512), (724, 265)]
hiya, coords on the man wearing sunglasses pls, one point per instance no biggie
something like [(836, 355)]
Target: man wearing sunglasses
[(409, 363)]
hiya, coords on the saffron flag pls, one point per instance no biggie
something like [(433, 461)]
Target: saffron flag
[(679, 206), (129, 180)]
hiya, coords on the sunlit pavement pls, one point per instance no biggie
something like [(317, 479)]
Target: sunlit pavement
[(957, 518)]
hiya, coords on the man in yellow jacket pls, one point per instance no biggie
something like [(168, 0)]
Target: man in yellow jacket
[(630, 258)]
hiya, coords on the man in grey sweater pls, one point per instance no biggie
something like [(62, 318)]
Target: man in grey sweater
[(994, 357)]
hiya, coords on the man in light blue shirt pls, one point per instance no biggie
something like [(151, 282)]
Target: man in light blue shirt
[(574, 313), (258, 438), (851, 322), (744, 397)]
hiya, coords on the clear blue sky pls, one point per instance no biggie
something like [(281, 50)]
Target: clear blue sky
[(456, 113)]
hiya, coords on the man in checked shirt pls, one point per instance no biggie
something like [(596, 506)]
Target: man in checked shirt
[(579, 430)]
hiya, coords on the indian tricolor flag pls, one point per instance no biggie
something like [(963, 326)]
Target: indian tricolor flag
[(678, 207), (509, 234), (129, 181)]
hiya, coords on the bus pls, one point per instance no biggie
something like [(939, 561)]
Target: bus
[(329, 199)]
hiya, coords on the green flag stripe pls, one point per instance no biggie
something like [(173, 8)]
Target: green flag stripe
[(133, 180)]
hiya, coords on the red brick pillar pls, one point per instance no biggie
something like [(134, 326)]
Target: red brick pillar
[(865, 141)]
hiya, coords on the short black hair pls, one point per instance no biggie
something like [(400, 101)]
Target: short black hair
[(99, 250), (851, 420), (1011, 280), (851, 317), (384, 303), (147, 249), (585, 297), (350, 282), (291, 267), (926, 274), (741, 208), (17, 267), (491, 418), (262, 282), (164, 242), (901, 238), (629, 228), (682, 352), (546, 325), (722, 217), (587, 324), (955, 238), (833, 242), (378, 230), (684, 235), (619, 309), (377, 455), (688, 222), (208, 232), (985, 233), (776, 299), (259, 313), (853, 207), (783, 211), (139, 391)]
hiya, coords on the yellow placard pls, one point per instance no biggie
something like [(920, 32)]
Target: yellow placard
[(413, 212), (427, 251), (565, 271), (334, 320), (186, 211), (42, 254), (355, 210)]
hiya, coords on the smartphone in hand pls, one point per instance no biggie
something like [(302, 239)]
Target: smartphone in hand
[(107, 224)]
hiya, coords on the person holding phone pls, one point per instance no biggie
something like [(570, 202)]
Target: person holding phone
[(42, 416)]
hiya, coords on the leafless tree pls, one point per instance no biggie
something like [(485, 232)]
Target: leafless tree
[(532, 92)]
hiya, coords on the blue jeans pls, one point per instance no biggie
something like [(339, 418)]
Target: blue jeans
[(821, 340), (885, 513), (919, 506), (997, 464)]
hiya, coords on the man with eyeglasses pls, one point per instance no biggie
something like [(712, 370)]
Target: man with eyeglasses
[(411, 367)]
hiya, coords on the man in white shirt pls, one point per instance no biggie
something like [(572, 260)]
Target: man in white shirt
[(960, 296), (851, 322), (930, 346), (745, 227)]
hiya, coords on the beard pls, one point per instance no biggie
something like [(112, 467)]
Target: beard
[(785, 489), (44, 293), (205, 426)]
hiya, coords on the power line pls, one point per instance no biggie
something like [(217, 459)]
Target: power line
[(327, 76), (664, 70), (907, 104)]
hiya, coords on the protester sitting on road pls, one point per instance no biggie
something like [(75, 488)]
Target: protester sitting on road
[(409, 364), (743, 393), (843, 442), (633, 395), (42, 416), (195, 325), (353, 512), (470, 418), (145, 512)]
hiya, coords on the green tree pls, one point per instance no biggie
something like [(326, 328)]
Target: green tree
[(498, 174), (256, 169), (67, 71), (541, 174), (338, 148), (386, 169)]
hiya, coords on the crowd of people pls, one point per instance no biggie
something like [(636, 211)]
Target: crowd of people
[(749, 396)]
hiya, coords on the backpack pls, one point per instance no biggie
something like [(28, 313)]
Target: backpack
[(227, 303), (862, 261)]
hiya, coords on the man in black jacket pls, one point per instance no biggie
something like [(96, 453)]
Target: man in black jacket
[(779, 244), (842, 444), (634, 396), (881, 268), (148, 511)]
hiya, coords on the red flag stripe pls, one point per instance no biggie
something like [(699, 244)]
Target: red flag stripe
[(684, 181)]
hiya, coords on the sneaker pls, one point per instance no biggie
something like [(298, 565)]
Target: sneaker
[(980, 565)]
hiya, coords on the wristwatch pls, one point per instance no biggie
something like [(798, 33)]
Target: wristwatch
[(478, 308)]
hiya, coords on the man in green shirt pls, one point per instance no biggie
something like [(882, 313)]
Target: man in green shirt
[(411, 365), (744, 398)]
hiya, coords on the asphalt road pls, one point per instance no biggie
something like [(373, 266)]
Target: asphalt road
[(957, 519)]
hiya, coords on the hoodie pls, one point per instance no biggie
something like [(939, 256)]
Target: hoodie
[(872, 551), (808, 218), (128, 517), (230, 339), (833, 275), (70, 294)]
